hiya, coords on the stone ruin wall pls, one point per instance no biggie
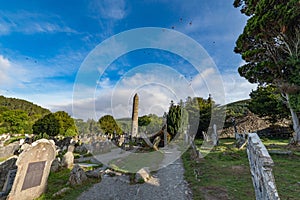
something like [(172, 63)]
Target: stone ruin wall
[(261, 165)]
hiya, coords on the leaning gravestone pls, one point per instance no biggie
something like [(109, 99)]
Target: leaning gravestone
[(33, 169)]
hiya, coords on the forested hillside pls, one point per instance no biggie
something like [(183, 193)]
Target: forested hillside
[(19, 104), (18, 116)]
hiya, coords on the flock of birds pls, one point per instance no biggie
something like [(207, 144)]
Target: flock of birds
[(181, 20)]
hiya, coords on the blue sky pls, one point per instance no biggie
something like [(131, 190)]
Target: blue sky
[(43, 46)]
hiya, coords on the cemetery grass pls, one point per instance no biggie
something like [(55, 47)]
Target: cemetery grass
[(134, 162), (224, 173), (287, 168), (58, 180)]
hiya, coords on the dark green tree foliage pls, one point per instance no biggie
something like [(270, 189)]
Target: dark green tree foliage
[(144, 120), (269, 42), (270, 45), (199, 111), (59, 123), (109, 125), (177, 119), (67, 125), (173, 119), (14, 121), (195, 113), (237, 109), (48, 124), (267, 102)]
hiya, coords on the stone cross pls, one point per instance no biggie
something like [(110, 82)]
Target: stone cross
[(33, 170)]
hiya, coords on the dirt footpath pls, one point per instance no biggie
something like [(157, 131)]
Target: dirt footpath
[(166, 183)]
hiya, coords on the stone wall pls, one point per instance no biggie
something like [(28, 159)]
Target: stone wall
[(261, 165)]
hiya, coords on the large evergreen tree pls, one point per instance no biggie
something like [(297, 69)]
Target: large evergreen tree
[(67, 125), (59, 123), (267, 102), (199, 111), (270, 45), (48, 124), (174, 119), (109, 125)]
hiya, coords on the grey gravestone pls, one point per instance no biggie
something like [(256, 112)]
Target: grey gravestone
[(68, 160), (77, 176), (215, 137), (5, 167), (33, 170), (9, 181)]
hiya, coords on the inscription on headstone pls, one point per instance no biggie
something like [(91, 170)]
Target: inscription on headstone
[(34, 175)]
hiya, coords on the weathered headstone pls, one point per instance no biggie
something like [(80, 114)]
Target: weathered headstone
[(77, 176), (9, 181), (5, 167), (9, 150), (261, 167), (55, 165), (215, 137), (146, 139), (33, 170), (68, 159)]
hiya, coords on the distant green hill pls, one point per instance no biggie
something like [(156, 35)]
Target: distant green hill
[(238, 108), (17, 116), (20, 104)]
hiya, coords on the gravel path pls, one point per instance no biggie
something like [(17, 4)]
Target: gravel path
[(166, 183)]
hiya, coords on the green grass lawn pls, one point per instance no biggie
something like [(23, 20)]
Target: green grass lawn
[(286, 170), (59, 180), (135, 161), (224, 173)]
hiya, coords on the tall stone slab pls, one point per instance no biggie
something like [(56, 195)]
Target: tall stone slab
[(261, 167), (33, 170), (135, 113)]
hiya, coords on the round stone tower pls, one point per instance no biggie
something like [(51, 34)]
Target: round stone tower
[(135, 112)]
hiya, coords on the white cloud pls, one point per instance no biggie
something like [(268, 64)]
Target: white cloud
[(4, 70), (156, 85), (31, 23), (109, 9), (209, 82), (34, 82), (236, 87)]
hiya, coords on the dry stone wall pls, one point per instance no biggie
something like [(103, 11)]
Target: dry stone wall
[(261, 165)]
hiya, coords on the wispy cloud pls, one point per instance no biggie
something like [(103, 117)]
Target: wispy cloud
[(30, 23), (108, 9), (5, 66), (34, 82), (236, 87)]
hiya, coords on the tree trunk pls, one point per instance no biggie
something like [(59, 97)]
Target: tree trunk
[(296, 125)]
